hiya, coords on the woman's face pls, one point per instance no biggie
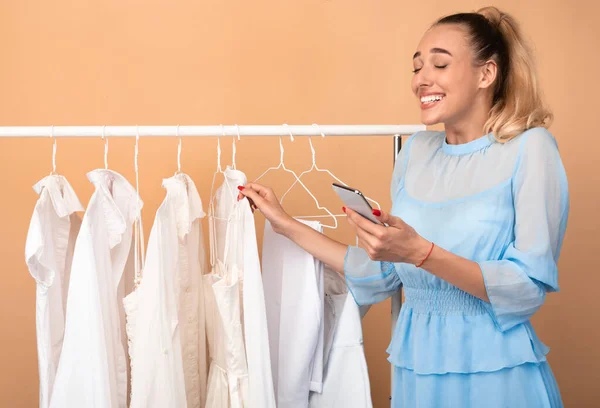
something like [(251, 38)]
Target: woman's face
[(446, 80)]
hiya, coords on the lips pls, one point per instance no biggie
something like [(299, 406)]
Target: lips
[(432, 100)]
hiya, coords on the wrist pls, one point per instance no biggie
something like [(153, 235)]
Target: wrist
[(422, 251), (287, 227)]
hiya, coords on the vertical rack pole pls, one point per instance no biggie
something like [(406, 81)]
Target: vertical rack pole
[(396, 297)]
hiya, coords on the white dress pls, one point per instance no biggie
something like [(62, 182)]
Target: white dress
[(165, 314), (240, 372), (92, 371), (294, 297), (48, 252), (346, 380)]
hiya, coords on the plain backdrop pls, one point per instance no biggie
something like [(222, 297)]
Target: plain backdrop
[(159, 62)]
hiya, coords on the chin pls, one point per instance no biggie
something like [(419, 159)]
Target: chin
[(430, 120)]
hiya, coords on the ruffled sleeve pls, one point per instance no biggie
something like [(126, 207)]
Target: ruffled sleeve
[(517, 283), (369, 281)]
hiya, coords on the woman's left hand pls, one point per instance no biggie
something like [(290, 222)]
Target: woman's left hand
[(398, 242)]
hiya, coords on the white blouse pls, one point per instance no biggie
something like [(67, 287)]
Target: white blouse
[(165, 314), (48, 252), (92, 371)]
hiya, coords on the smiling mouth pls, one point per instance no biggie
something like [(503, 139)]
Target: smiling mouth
[(431, 100)]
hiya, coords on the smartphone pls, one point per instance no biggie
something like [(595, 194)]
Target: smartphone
[(356, 201)]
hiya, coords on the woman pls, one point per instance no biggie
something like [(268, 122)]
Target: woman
[(475, 229)]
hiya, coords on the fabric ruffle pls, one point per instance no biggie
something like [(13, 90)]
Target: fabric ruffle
[(114, 188), (187, 202), (61, 193), (431, 338)]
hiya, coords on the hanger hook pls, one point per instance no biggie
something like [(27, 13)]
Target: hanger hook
[(136, 150), (312, 149), (105, 146), (280, 150), (135, 163), (219, 148), (289, 131), (53, 150), (178, 149), (237, 129), (233, 148), (320, 131)]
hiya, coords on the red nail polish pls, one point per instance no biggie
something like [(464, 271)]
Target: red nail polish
[(241, 188), (376, 212), (344, 209)]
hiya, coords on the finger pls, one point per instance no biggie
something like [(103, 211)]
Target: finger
[(362, 223), (263, 191), (365, 238), (253, 197), (368, 243), (389, 219)]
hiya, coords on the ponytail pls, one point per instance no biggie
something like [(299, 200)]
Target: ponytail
[(517, 104)]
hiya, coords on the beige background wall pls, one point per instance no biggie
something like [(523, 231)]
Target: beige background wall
[(271, 62)]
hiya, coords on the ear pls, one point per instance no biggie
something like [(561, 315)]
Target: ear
[(489, 73)]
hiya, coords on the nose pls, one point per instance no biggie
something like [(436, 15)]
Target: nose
[(423, 78)]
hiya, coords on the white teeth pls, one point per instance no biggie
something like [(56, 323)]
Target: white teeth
[(431, 98)]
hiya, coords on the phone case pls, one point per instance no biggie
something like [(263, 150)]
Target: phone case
[(356, 201)]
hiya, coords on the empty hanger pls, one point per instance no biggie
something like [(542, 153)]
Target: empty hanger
[(315, 167), (281, 165), (297, 180)]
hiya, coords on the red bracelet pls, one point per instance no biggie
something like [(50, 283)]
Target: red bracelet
[(423, 261)]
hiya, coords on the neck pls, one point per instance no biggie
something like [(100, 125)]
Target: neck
[(470, 126)]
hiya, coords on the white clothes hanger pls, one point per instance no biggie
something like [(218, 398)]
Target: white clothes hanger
[(211, 205), (219, 170), (297, 180), (53, 172), (315, 167), (233, 148), (105, 147), (178, 150), (138, 228)]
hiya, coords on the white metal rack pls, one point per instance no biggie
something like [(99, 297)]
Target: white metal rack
[(220, 130)]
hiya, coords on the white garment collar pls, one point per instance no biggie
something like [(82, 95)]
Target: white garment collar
[(188, 202), (62, 195)]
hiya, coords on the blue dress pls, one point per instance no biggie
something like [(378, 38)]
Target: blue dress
[(504, 206)]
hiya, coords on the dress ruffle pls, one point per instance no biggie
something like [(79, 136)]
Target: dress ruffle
[(433, 338)]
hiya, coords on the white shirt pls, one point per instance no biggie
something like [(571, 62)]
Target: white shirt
[(346, 383), (165, 314), (92, 371), (48, 252), (294, 298)]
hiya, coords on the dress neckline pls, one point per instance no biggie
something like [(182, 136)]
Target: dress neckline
[(469, 147)]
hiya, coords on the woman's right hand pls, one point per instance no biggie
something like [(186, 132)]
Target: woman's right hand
[(266, 201)]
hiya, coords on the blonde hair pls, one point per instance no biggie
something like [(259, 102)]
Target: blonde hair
[(517, 104)]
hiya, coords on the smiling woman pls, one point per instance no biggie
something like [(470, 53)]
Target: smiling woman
[(477, 223), (479, 58)]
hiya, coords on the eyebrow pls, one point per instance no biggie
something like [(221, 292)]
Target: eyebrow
[(434, 51)]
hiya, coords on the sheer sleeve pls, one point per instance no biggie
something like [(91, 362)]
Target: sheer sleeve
[(374, 281), (517, 283), (369, 281)]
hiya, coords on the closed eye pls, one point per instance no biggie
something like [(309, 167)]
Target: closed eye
[(437, 66)]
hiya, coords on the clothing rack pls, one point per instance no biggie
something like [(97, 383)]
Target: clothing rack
[(221, 130), (218, 130)]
